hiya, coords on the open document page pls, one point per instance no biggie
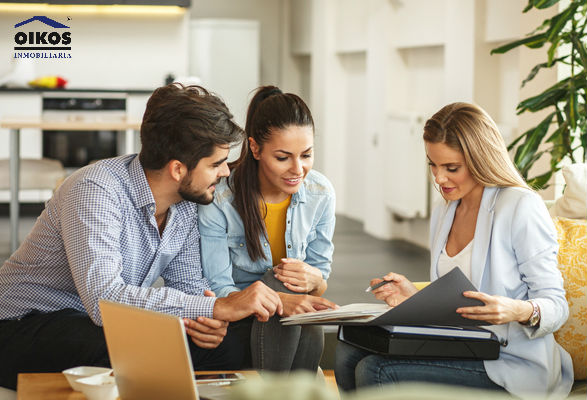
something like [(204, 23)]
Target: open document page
[(357, 312), (436, 304)]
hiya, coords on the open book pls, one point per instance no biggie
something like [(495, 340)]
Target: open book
[(436, 304), (357, 312)]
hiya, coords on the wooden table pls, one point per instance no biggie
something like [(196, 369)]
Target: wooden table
[(54, 386), (16, 124)]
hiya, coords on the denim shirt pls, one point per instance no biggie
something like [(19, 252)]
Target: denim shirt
[(310, 224)]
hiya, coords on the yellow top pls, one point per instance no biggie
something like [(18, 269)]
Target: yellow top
[(275, 222)]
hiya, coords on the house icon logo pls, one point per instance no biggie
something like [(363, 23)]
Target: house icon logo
[(47, 21), (41, 33)]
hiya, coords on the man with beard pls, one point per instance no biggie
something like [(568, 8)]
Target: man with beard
[(110, 230)]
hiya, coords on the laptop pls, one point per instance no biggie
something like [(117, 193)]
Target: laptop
[(150, 355)]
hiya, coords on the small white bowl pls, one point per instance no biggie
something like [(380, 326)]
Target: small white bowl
[(73, 374), (99, 387)]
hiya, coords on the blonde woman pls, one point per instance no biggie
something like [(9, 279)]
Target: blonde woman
[(499, 233)]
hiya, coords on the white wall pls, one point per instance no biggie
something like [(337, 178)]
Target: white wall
[(401, 60), (224, 55), (109, 51), (353, 85)]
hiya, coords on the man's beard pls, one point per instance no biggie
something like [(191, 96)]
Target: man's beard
[(188, 194)]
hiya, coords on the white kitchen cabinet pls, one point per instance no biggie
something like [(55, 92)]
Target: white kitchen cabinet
[(25, 105), (225, 55)]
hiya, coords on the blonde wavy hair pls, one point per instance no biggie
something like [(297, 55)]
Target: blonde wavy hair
[(468, 129)]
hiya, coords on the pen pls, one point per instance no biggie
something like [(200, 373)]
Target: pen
[(377, 285)]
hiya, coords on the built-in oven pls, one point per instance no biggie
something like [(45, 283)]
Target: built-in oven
[(78, 148)]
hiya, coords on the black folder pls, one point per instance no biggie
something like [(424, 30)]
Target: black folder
[(436, 304), (419, 346)]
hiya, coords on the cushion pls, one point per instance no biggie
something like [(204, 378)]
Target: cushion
[(572, 262), (573, 203)]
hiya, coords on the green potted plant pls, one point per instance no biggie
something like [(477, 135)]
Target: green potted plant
[(567, 33)]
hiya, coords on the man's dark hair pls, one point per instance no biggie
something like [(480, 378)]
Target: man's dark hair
[(184, 123)]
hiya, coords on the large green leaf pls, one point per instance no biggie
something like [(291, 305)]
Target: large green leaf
[(580, 47), (533, 42), (540, 181), (546, 99), (557, 154), (539, 4), (553, 94), (558, 151), (558, 22), (519, 138), (556, 136), (552, 51), (526, 151), (538, 67), (572, 108), (524, 169)]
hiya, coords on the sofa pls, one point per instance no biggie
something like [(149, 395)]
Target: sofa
[(569, 213)]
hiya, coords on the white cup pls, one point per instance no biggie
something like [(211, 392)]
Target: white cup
[(99, 387), (73, 374)]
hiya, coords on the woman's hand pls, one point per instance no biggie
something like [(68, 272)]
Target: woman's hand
[(497, 309), (303, 303), (298, 276), (396, 291)]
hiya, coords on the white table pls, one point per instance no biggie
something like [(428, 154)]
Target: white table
[(16, 124)]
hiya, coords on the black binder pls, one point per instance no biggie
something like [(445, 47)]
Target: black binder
[(419, 346), (436, 304)]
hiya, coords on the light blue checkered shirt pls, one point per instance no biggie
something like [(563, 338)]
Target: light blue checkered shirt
[(98, 239)]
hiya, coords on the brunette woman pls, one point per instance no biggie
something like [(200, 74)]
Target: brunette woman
[(273, 220)]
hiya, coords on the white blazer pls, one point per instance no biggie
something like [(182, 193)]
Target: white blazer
[(514, 255)]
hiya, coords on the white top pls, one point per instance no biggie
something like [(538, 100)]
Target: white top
[(462, 260)]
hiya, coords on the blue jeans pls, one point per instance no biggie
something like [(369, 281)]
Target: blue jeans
[(275, 347), (357, 368)]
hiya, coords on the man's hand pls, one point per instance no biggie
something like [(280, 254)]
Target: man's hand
[(258, 299), (205, 332), (303, 303)]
